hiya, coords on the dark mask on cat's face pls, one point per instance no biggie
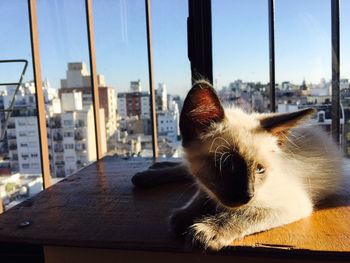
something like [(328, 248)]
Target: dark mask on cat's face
[(226, 157)]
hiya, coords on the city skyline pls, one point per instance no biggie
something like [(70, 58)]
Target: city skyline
[(302, 41)]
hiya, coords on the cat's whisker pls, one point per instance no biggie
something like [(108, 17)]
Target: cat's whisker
[(225, 147), (226, 158), (221, 138), (217, 148), (223, 162)]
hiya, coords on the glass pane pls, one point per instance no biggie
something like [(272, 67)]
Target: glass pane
[(240, 53), (67, 85), (172, 72), (20, 166), (121, 56), (303, 57)]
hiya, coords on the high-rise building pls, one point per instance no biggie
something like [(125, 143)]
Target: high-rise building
[(78, 80), (161, 97), (22, 130), (135, 102), (72, 135)]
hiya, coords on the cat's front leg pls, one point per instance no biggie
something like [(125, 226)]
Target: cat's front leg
[(215, 232), (220, 230), (182, 218)]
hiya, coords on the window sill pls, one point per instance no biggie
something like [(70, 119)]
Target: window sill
[(98, 208)]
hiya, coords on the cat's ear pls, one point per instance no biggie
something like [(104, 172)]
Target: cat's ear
[(201, 108), (280, 124)]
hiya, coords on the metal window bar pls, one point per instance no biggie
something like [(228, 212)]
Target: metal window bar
[(271, 12), (9, 110), (199, 39), (151, 82), (335, 71), (95, 94)]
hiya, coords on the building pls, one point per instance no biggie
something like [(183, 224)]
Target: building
[(72, 135), (134, 103), (78, 80), (22, 130), (135, 86), (161, 97), (168, 125)]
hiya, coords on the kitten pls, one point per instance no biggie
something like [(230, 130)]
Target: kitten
[(254, 171)]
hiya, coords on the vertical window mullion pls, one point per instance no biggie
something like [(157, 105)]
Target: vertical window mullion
[(95, 94), (335, 71), (39, 96), (271, 7), (151, 82), (199, 34)]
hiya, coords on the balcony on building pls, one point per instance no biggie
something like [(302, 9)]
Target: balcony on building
[(78, 136), (11, 125), (13, 147), (58, 137), (59, 163), (58, 149)]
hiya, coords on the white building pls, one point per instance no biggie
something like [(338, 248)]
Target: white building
[(78, 79), (161, 97), (168, 124), (22, 130), (73, 135)]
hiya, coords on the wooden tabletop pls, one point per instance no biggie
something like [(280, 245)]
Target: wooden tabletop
[(98, 207)]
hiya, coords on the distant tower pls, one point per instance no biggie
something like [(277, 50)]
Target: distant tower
[(162, 97), (135, 86), (303, 85)]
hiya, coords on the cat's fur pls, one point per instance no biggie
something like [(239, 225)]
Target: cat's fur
[(254, 171)]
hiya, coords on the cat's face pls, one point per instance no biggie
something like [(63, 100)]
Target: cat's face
[(229, 151)]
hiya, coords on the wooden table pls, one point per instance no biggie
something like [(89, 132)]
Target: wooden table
[(97, 215)]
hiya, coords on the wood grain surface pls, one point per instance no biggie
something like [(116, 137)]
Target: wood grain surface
[(98, 207)]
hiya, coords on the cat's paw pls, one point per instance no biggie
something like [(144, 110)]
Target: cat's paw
[(212, 236)]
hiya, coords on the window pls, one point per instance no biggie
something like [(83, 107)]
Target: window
[(69, 146), (68, 134), (68, 122), (25, 165), (241, 53), (63, 39), (121, 59)]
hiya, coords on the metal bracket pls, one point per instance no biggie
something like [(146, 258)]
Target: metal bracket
[(9, 110)]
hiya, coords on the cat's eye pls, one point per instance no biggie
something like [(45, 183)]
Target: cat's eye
[(260, 169)]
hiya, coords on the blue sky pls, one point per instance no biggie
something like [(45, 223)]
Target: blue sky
[(240, 40)]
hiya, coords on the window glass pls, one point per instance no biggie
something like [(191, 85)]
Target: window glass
[(240, 53), (67, 85), (20, 172)]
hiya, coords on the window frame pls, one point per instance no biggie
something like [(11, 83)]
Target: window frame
[(199, 33)]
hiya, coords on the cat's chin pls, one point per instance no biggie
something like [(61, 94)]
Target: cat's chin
[(234, 204)]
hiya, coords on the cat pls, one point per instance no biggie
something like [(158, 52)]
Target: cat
[(253, 171)]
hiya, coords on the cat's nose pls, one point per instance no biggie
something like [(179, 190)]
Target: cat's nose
[(247, 198)]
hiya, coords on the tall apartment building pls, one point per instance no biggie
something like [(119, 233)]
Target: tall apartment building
[(22, 130), (161, 97), (72, 135), (78, 79), (70, 131), (134, 104)]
